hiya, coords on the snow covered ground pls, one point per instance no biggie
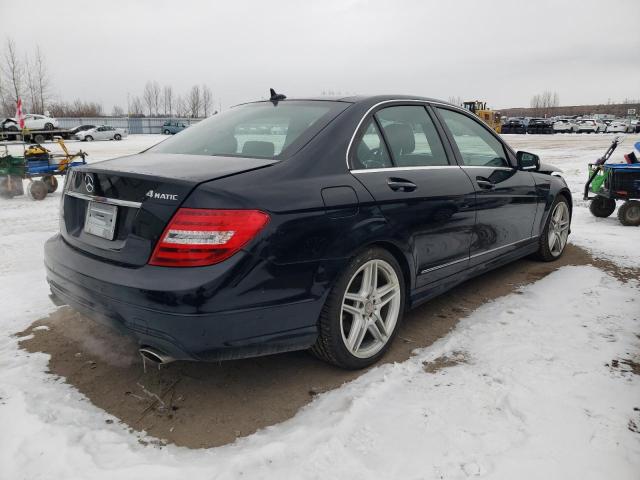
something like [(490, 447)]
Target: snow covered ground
[(531, 385)]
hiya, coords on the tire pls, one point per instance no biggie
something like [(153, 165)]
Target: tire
[(167, 132), (556, 229), (629, 213), (88, 138), (48, 126), (39, 138), (602, 206), (117, 137), (337, 323), (51, 182), (37, 190)]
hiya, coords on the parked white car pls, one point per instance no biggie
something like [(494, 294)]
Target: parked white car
[(33, 121), (591, 126), (618, 126), (40, 122), (563, 126), (103, 132)]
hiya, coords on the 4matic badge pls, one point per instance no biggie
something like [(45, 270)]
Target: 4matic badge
[(161, 196)]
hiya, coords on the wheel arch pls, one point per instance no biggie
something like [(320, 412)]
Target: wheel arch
[(400, 257), (564, 192)]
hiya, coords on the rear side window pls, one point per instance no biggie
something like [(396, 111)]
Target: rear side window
[(371, 151), (262, 130), (477, 146), (412, 137)]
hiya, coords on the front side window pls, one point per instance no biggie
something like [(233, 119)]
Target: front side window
[(261, 130), (477, 146), (371, 151), (412, 137)]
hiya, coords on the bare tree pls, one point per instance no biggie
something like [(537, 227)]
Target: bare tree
[(167, 99), (43, 81), (155, 91), (148, 96), (543, 103), (32, 88), (194, 102), (137, 108), (4, 102), (181, 107), (117, 111), (12, 69), (207, 100), (78, 108)]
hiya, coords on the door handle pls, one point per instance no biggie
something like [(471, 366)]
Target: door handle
[(485, 183), (401, 185)]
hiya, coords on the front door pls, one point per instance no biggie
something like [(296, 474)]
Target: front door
[(428, 200), (506, 198)]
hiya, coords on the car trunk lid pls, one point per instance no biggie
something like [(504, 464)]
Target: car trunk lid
[(135, 196)]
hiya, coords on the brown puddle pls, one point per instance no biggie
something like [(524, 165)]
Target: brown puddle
[(205, 405)]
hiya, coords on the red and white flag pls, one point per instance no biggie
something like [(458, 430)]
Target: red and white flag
[(19, 114)]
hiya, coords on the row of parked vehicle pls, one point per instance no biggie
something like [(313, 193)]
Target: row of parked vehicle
[(49, 126), (46, 122), (569, 125)]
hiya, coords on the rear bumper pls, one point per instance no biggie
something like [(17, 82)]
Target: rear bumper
[(230, 310)]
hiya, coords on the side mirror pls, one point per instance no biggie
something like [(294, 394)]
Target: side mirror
[(528, 161)]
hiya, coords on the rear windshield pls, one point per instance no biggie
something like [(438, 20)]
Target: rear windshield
[(260, 130)]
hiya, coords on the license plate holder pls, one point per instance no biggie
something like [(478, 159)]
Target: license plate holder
[(101, 219)]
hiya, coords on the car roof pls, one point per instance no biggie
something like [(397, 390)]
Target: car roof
[(360, 99)]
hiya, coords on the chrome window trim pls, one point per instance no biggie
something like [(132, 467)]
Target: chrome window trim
[(408, 100), (448, 264), (489, 166), (110, 201), (384, 102), (396, 169)]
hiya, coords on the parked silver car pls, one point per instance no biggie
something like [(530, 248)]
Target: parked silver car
[(103, 132)]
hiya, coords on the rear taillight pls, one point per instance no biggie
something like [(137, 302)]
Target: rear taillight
[(197, 237)]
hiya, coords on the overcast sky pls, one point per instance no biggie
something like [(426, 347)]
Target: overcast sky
[(501, 51)]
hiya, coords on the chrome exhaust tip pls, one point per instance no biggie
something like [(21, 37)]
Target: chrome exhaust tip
[(155, 356)]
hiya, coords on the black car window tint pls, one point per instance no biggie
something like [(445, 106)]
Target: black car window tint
[(411, 136), (477, 146), (371, 151), (261, 129)]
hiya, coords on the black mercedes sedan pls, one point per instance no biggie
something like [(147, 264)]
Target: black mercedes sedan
[(298, 224)]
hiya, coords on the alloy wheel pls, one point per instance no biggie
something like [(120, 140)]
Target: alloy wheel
[(370, 308), (558, 229)]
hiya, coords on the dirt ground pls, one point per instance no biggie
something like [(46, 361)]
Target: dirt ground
[(204, 405)]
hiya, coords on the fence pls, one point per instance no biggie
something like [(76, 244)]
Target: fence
[(133, 124)]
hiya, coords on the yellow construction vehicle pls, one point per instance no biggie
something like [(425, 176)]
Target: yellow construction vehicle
[(490, 117)]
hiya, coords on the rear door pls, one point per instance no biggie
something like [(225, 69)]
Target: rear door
[(506, 196), (399, 156)]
